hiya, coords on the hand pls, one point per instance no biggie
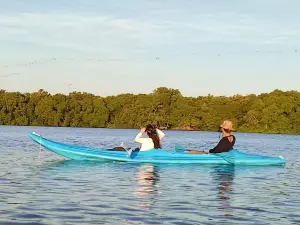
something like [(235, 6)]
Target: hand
[(143, 130)]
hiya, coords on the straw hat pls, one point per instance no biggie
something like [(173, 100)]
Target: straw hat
[(227, 125)]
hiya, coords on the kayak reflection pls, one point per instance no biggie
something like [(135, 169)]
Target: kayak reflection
[(224, 175)]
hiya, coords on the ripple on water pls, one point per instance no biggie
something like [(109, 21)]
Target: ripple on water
[(50, 190)]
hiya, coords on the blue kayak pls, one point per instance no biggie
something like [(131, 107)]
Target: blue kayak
[(154, 156)]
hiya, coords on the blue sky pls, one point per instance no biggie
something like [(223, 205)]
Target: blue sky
[(134, 46)]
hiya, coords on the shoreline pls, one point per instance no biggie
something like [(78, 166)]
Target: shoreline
[(277, 112), (175, 129)]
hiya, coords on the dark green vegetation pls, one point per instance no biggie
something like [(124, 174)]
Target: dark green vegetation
[(275, 112)]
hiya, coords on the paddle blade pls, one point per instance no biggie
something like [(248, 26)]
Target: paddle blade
[(179, 148), (129, 151), (228, 156)]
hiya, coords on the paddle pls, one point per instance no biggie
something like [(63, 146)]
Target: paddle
[(228, 156), (128, 150), (179, 148)]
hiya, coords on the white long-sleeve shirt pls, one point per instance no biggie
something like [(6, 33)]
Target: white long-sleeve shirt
[(147, 143)]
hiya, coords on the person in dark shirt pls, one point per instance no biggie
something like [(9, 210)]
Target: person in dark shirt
[(225, 144)]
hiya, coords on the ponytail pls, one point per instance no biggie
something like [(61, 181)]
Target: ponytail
[(151, 131), (155, 140)]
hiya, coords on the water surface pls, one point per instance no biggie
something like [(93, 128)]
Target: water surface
[(39, 187)]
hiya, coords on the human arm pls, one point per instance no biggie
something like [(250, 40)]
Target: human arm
[(160, 134), (139, 138)]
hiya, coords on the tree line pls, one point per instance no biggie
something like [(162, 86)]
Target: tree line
[(275, 112)]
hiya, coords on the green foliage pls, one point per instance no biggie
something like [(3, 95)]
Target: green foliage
[(275, 112)]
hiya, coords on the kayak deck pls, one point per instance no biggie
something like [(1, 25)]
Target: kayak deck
[(75, 152)]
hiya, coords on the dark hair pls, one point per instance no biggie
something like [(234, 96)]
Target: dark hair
[(151, 132)]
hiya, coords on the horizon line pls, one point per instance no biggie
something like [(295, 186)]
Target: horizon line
[(84, 92)]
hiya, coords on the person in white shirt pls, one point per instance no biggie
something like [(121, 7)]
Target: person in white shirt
[(153, 139)]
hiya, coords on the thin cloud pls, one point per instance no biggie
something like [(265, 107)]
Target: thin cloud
[(71, 30), (89, 32), (161, 40)]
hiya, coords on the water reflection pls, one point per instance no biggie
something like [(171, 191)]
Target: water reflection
[(223, 175), (147, 178)]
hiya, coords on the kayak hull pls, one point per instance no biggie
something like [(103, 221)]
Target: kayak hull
[(75, 152)]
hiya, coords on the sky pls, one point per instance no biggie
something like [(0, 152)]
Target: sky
[(135, 46)]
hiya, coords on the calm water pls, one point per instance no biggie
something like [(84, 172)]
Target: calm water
[(42, 188)]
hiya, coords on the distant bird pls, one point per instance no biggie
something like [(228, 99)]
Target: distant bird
[(156, 58), (10, 74)]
